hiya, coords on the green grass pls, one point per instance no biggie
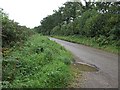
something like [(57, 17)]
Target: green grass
[(89, 42), (38, 63)]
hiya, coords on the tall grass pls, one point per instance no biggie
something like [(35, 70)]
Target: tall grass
[(90, 42), (39, 63)]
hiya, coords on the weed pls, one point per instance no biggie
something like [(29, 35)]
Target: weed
[(39, 63)]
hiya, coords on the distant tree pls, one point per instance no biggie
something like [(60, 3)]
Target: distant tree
[(99, 20)]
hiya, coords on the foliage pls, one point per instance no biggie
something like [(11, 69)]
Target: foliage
[(97, 20), (12, 32), (39, 63), (100, 43)]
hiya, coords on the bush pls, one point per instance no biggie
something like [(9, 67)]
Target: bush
[(12, 32)]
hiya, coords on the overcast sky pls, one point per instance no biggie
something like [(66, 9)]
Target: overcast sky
[(30, 12)]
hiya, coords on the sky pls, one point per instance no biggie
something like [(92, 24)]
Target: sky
[(30, 12)]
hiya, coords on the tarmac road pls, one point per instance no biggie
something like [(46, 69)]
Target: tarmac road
[(107, 76)]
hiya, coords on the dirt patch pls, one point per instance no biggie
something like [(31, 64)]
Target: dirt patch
[(78, 70)]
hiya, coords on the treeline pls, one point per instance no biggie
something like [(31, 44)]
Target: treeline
[(12, 33), (98, 20)]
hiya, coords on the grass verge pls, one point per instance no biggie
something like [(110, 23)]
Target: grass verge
[(38, 63), (89, 42)]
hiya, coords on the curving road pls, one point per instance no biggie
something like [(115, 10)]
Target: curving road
[(107, 76)]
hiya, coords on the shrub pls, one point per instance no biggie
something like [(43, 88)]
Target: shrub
[(12, 32)]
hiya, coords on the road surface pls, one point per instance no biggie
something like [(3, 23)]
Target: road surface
[(107, 76)]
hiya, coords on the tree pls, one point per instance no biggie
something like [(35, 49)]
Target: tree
[(97, 20), (12, 32)]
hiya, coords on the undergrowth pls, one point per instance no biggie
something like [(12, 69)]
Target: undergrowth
[(91, 42), (38, 63)]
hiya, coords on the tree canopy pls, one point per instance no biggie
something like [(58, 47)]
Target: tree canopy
[(95, 20)]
